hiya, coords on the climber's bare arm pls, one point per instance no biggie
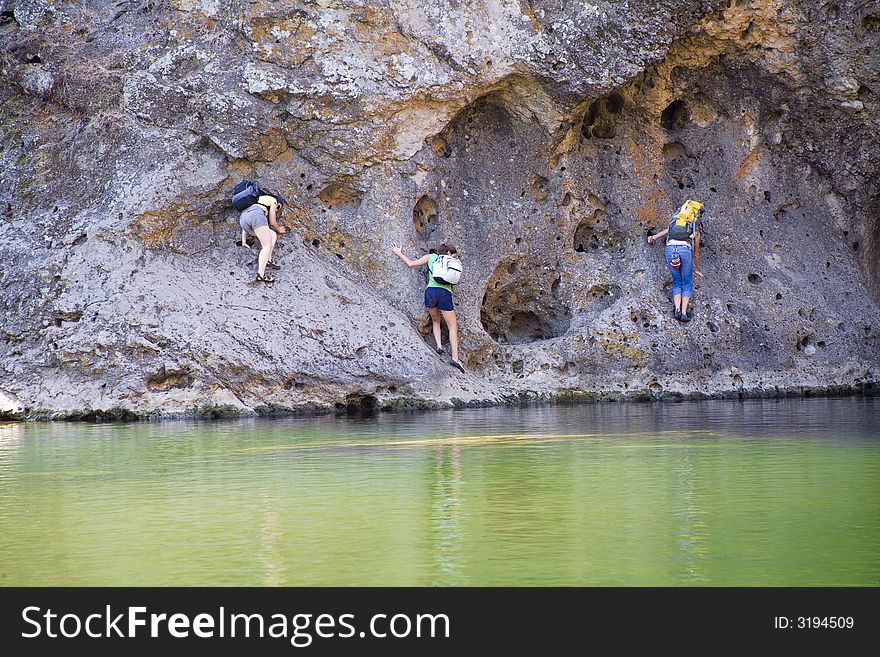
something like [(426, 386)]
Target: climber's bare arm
[(396, 249)]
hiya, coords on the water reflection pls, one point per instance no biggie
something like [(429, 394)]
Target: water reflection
[(691, 529), (719, 493)]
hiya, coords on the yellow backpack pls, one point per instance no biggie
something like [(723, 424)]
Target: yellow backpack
[(681, 226)]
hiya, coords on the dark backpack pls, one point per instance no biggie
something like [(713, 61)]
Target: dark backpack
[(245, 194), (680, 230), (683, 223)]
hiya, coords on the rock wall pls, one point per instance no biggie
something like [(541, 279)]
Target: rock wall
[(543, 138)]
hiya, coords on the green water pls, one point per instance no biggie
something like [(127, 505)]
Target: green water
[(711, 493)]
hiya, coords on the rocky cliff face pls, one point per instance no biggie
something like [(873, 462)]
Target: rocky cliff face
[(544, 138)]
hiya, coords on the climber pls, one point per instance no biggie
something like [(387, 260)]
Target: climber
[(438, 300), (275, 222), (683, 230), (256, 219)]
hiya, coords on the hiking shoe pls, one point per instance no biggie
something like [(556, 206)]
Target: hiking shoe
[(440, 351), (265, 278), (684, 317), (272, 265), (677, 315), (457, 365)]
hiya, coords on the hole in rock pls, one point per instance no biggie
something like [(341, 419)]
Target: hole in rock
[(601, 118), (781, 210), (166, 379), (675, 116), (755, 279), (359, 404), (425, 217), (674, 152), (870, 23), (519, 304), (602, 295), (440, 146), (614, 104), (339, 194), (591, 236), (538, 188)]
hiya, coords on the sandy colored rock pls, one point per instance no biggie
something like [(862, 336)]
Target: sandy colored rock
[(543, 138)]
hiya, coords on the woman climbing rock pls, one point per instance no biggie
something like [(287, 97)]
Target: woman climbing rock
[(682, 251), (258, 219), (438, 293)]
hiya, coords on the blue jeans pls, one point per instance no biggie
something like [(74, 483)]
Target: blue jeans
[(683, 276)]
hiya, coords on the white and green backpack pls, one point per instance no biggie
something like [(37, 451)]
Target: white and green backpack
[(446, 270)]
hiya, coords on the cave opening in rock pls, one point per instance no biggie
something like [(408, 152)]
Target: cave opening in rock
[(522, 304), (339, 194), (601, 118), (440, 146), (425, 217), (675, 116), (527, 326), (870, 23), (614, 104)]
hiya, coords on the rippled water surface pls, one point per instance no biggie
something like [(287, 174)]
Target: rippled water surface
[(710, 493)]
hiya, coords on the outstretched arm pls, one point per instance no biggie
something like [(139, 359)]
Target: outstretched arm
[(656, 237), (396, 249)]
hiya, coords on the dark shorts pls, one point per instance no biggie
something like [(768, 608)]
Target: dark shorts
[(252, 218), (437, 297)]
